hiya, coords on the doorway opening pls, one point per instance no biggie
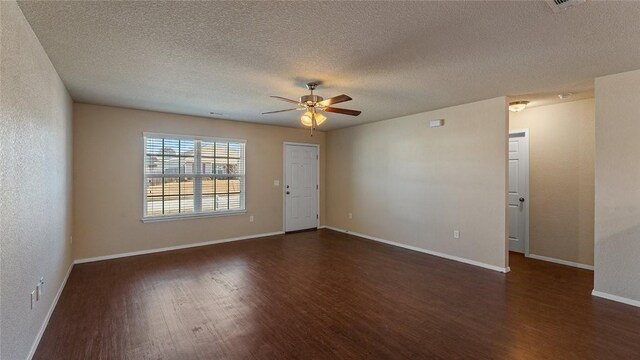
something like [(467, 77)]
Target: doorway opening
[(551, 187)]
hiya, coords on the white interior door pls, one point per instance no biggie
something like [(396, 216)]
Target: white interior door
[(301, 187), (518, 208)]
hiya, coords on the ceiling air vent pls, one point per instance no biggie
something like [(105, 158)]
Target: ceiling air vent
[(559, 5)]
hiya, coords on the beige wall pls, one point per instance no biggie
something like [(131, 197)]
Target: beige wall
[(35, 182), (561, 178), (411, 184), (108, 187), (617, 206)]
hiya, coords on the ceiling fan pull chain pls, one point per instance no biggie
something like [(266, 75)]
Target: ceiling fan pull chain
[(313, 121)]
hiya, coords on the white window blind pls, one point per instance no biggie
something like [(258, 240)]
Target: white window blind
[(192, 176)]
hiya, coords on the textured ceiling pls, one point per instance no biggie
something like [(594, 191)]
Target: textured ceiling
[(393, 58)]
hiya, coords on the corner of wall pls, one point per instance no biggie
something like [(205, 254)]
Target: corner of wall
[(36, 111), (617, 204)]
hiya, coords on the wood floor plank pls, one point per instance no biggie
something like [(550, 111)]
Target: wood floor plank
[(328, 295)]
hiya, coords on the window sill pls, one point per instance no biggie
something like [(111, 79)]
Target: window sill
[(149, 219)]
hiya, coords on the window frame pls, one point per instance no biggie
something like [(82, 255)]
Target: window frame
[(193, 215)]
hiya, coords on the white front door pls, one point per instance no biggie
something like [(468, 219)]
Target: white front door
[(518, 208), (301, 187)]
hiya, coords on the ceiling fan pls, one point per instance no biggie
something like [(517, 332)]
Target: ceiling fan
[(312, 105)]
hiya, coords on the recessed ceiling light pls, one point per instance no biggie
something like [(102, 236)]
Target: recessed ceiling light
[(565, 96), (517, 106)]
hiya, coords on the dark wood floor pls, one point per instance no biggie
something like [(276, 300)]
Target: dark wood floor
[(326, 295)]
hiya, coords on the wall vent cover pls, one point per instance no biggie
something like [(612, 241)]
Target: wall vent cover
[(559, 5)]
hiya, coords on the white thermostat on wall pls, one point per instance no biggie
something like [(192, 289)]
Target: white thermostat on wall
[(436, 123)]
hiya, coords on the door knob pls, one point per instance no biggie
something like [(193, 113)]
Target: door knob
[(521, 199), (287, 193)]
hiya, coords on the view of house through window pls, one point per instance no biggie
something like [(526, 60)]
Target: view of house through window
[(188, 176)]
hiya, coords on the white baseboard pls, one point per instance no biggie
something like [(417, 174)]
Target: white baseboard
[(617, 298), (561, 262), (177, 247), (36, 342), (434, 253)]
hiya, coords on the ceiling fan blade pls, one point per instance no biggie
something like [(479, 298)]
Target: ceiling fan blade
[(285, 99), (278, 111), (335, 100), (343, 111)]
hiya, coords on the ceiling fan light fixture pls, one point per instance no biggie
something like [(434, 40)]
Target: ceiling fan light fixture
[(320, 118), (306, 119), (517, 106)]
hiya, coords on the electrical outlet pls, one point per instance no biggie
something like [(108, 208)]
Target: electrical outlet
[(350, 216), (456, 234), (33, 298), (41, 287), (251, 218)]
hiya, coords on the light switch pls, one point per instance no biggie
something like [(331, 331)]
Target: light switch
[(276, 182)]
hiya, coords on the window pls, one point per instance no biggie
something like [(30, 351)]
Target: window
[(192, 176)]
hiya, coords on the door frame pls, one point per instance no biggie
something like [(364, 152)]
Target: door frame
[(284, 180), (528, 197)]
